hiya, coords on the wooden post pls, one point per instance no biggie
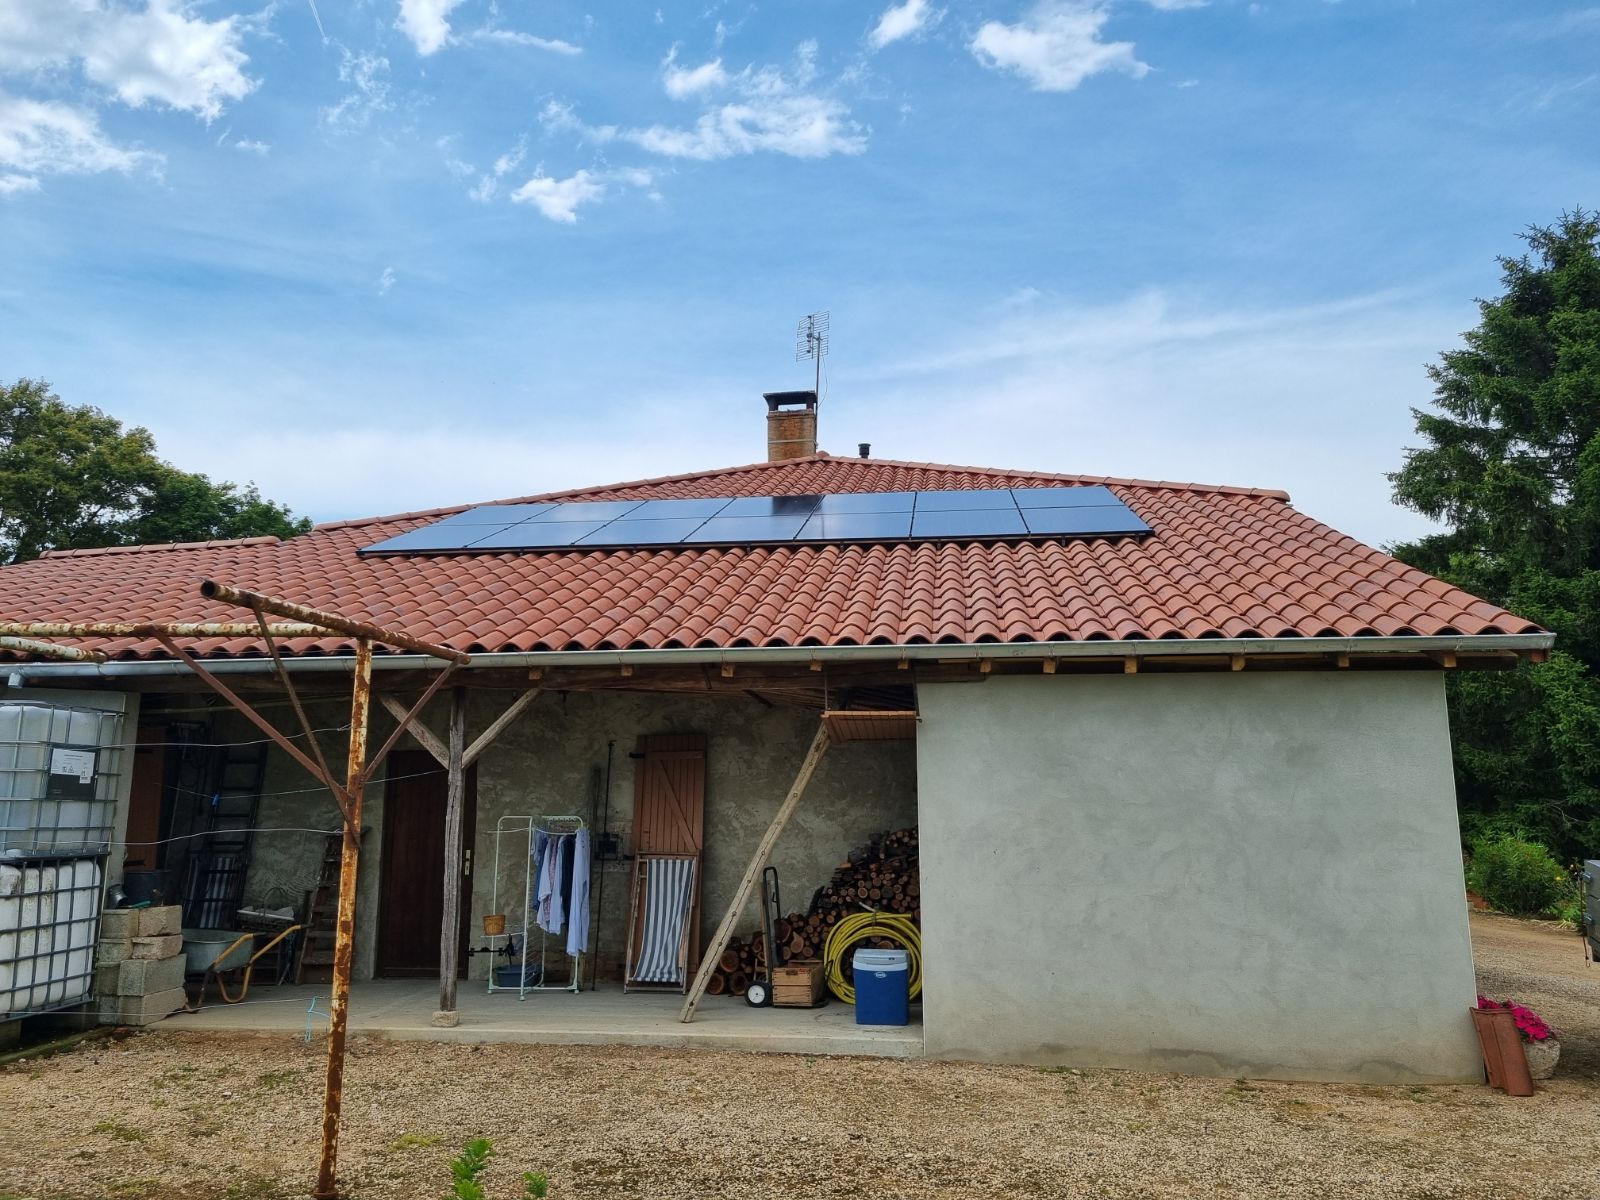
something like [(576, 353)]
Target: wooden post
[(345, 930), (713, 954), (455, 806)]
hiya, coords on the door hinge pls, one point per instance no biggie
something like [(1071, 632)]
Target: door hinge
[(466, 864)]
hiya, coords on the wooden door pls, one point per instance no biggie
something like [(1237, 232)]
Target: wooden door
[(411, 887), (669, 809), (146, 791)]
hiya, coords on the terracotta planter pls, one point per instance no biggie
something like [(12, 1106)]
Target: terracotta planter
[(1503, 1055), (1542, 1057), (494, 924)]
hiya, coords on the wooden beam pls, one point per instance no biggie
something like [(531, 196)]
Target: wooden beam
[(1445, 658), (1130, 665), (1235, 662), (426, 738), (710, 960), (405, 723), (1342, 661), (727, 670), (455, 805), (486, 739), (1049, 666)]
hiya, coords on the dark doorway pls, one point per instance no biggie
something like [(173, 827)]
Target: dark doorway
[(411, 888)]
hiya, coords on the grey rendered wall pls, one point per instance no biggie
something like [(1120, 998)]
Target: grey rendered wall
[(544, 763), (1230, 874)]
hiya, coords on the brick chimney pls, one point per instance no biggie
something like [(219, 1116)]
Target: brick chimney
[(791, 425)]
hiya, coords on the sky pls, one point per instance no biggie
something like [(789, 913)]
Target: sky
[(382, 255)]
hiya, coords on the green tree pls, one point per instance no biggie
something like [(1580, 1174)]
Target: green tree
[(71, 476), (1511, 467)]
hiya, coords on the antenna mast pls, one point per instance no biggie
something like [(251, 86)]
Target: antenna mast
[(811, 341)]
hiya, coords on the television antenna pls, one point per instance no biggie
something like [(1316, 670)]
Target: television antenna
[(811, 342)]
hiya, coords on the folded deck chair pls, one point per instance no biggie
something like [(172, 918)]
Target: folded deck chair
[(658, 923)]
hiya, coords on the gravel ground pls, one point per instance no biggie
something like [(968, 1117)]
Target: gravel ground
[(192, 1117)]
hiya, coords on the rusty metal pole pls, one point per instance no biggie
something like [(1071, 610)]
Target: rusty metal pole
[(345, 931), (455, 805)]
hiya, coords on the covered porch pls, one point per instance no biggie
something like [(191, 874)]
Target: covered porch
[(402, 1010)]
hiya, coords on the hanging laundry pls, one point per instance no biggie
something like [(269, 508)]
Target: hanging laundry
[(578, 904), (551, 914)]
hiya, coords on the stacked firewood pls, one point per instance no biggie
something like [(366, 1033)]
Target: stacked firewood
[(880, 875)]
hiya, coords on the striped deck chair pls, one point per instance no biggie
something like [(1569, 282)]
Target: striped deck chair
[(658, 922)]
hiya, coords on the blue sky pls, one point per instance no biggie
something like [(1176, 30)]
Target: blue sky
[(384, 254)]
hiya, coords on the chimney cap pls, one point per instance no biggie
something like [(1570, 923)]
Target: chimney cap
[(864, 449), (777, 400)]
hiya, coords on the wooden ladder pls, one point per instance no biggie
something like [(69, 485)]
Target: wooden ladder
[(315, 964)]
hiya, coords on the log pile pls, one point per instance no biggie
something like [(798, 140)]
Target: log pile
[(880, 875)]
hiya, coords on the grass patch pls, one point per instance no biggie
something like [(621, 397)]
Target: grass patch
[(259, 1187), (272, 1079), (123, 1133)]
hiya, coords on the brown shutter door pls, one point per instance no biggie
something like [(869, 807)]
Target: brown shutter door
[(669, 794)]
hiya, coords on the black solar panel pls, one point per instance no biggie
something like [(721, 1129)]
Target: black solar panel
[(972, 515)]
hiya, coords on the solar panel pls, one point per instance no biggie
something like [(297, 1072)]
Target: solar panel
[(629, 532), (954, 515), (967, 522), (938, 501), (741, 530), (662, 510), (1063, 497), (856, 527), (1096, 519), (867, 502), (589, 510), (772, 506), (535, 535)]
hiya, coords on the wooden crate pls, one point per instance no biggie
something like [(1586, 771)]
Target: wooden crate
[(797, 985)]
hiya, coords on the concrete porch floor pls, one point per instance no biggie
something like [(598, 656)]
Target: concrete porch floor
[(403, 1009)]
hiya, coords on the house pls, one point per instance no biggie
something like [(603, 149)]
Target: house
[(1181, 766)]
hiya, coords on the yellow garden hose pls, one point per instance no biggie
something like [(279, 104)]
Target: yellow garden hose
[(861, 927)]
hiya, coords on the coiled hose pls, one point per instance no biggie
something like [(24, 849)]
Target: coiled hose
[(861, 927)]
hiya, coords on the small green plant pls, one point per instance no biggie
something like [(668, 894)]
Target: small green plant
[(1516, 875), (121, 1132), (537, 1184), (272, 1079), (467, 1166)]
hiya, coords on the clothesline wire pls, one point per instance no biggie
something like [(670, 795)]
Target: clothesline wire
[(201, 745), (309, 790)]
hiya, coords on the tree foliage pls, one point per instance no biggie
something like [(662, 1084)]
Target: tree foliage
[(1511, 467), (71, 476)]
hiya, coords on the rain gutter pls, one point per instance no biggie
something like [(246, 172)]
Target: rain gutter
[(765, 655)]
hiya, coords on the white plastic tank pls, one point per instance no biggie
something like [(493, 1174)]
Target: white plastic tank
[(61, 762), (59, 769), (49, 921)]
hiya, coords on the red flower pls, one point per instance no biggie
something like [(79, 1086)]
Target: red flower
[(1529, 1024)]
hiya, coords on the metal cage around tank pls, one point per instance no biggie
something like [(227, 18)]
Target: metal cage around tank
[(61, 767)]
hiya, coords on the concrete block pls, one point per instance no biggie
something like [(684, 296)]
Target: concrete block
[(113, 952), (141, 1010), (139, 976), (117, 924), (157, 947), (159, 922)]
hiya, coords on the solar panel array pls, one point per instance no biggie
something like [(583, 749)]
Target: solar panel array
[(968, 515)]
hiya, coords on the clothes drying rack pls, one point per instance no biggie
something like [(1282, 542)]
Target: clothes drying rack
[(523, 825)]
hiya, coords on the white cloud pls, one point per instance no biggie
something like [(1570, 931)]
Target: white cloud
[(801, 126), (11, 184), (488, 185), (1176, 5), (559, 199), (426, 23), (159, 53), (900, 21), (1056, 47), (253, 147), (773, 112), (683, 82), (512, 37), (45, 137), (385, 281), (367, 76)]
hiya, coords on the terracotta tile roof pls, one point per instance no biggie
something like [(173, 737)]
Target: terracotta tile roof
[(1223, 562)]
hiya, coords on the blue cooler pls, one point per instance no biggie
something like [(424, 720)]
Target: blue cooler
[(883, 987)]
